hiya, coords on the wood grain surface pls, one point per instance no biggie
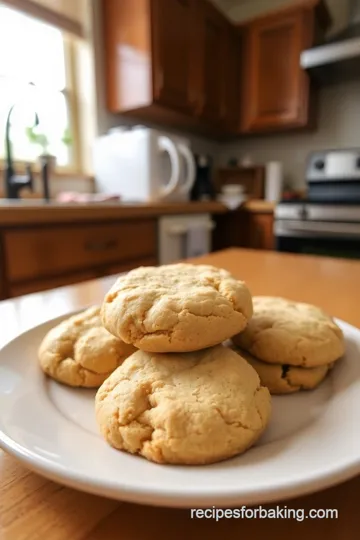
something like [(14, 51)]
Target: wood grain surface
[(33, 508), (24, 213)]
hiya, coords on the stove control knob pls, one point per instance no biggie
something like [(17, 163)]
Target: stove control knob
[(319, 164)]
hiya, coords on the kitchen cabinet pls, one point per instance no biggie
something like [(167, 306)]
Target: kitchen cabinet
[(276, 90), (173, 62), (212, 35), (260, 231), (183, 63), (149, 54), (172, 53), (218, 67), (244, 228), (35, 258), (231, 89)]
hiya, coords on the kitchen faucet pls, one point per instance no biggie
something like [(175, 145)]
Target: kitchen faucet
[(13, 182)]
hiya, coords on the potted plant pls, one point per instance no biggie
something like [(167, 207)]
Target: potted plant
[(40, 139)]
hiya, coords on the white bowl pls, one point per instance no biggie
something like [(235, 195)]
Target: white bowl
[(233, 189)]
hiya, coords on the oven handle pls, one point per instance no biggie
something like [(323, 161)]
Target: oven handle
[(318, 229)]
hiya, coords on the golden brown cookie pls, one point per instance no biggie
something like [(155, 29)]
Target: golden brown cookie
[(286, 379), (80, 352), (286, 332), (189, 408), (176, 308)]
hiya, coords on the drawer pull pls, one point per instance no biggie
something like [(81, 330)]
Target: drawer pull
[(100, 246)]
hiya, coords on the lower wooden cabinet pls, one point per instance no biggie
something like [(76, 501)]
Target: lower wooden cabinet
[(246, 229), (261, 235), (39, 258)]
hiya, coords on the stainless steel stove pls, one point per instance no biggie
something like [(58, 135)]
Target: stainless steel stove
[(328, 222)]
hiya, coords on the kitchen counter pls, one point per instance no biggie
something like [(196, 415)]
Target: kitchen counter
[(32, 211), (32, 505)]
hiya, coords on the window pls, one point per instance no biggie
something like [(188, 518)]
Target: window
[(36, 67)]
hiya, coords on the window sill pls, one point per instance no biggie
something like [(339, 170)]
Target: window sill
[(57, 174), (61, 180)]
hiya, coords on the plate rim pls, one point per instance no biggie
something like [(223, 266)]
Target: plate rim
[(194, 498)]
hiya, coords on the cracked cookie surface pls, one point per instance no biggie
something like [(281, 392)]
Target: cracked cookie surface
[(176, 308), (283, 378), (189, 408), (286, 332), (80, 352)]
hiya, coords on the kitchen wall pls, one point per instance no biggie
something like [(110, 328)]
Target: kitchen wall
[(338, 114)]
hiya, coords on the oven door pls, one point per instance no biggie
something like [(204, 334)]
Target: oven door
[(319, 238)]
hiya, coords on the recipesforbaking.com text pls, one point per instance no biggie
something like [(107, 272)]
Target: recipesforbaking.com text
[(260, 512)]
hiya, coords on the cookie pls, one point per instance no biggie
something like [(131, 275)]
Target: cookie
[(190, 408), (176, 308), (285, 379), (286, 332), (80, 352)]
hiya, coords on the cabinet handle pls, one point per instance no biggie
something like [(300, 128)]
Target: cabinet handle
[(101, 246)]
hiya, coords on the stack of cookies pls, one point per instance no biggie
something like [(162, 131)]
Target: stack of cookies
[(169, 389), (182, 397), (291, 345)]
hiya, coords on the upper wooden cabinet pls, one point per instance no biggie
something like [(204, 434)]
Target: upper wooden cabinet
[(172, 54), (149, 57), (231, 89), (276, 90), (182, 63), (212, 31), (219, 61), (172, 61)]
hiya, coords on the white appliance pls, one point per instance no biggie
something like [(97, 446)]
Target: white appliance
[(328, 221), (143, 164), (274, 181), (184, 236)]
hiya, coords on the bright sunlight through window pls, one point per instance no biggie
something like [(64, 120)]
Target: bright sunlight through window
[(33, 77)]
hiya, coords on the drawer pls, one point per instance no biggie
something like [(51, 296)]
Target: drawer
[(33, 253)]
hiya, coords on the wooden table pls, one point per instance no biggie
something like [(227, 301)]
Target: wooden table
[(34, 508)]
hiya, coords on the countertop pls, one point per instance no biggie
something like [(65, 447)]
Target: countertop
[(31, 211), (32, 507)]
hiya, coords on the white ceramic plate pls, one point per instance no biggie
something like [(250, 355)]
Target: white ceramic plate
[(313, 440)]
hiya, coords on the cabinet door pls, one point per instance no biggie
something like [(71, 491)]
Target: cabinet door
[(276, 89), (231, 82), (261, 231), (172, 35), (212, 28)]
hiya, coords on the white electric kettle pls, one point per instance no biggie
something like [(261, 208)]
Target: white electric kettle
[(143, 164)]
